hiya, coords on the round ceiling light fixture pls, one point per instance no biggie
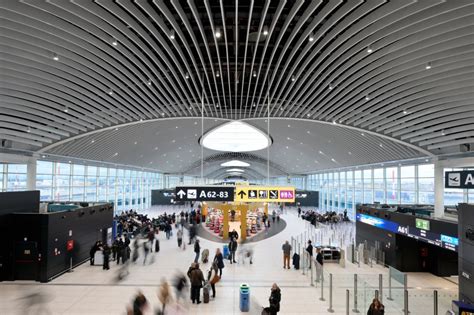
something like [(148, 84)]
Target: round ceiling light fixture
[(236, 136), (235, 163), (234, 170)]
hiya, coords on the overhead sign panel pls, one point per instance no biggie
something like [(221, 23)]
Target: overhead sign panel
[(204, 193), (459, 179), (264, 194)]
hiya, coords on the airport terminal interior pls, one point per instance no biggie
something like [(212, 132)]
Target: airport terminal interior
[(237, 157)]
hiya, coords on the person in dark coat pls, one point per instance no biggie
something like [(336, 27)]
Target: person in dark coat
[(219, 260), (197, 250), (275, 298), (234, 235), (106, 252), (376, 308), (299, 212), (196, 278), (232, 249), (120, 250), (319, 265), (309, 250)]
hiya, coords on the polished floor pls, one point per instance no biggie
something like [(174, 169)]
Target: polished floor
[(91, 290)]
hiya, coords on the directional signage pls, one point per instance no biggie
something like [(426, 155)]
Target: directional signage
[(264, 194), (204, 193), (459, 179)]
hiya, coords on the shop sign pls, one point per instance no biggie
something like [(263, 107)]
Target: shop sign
[(264, 194), (204, 193), (459, 179)]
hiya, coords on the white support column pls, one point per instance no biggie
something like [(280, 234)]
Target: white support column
[(31, 174), (438, 189)]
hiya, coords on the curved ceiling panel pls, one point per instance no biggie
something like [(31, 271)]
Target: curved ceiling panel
[(402, 69)]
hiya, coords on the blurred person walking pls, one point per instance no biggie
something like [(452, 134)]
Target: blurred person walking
[(219, 260)]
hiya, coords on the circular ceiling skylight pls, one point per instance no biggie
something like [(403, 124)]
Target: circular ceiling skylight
[(235, 136), (235, 163)]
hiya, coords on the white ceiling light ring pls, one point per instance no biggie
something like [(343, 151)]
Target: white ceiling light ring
[(235, 170), (235, 136)]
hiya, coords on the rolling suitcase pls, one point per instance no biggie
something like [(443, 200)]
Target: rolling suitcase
[(157, 246), (205, 292)]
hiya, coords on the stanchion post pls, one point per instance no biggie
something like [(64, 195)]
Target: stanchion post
[(381, 288), (355, 310), (405, 302), (389, 287), (435, 301), (311, 268), (347, 302), (322, 284), (376, 295), (304, 260), (330, 310)]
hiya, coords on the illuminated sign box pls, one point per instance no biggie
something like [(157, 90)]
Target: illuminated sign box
[(422, 224)]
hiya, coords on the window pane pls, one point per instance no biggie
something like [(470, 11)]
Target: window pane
[(91, 170), (16, 182), (16, 168), (44, 167), (79, 170), (407, 171), (426, 170), (378, 173), (63, 169)]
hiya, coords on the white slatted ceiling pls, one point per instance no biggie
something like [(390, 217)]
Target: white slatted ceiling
[(43, 101)]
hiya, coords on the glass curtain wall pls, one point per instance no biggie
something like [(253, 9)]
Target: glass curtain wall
[(393, 185), (127, 189)]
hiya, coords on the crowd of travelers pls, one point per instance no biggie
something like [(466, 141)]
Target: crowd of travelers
[(327, 217)]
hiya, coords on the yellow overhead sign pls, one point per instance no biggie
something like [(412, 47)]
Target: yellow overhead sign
[(264, 194)]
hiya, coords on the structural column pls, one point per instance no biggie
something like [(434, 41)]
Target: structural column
[(438, 189), (31, 174)]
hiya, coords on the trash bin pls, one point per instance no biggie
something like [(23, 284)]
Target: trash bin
[(244, 298), (225, 251)]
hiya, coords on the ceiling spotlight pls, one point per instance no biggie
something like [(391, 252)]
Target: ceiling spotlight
[(308, 115), (172, 34), (254, 73), (367, 97), (330, 86), (293, 78), (92, 141), (428, 66), (443, 133), (43, 156), (369, 49), (405, 112), (56, 57), (65, 109), (114, 42), (187, 76), (28, 130), (265, 30), (218, 74), (148, 82), (218, 32), (110, 91), (254, 105), (334, 122), (311, 37)]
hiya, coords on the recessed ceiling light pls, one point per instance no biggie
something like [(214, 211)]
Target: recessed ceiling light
[(116, 128), (187, 75), (405, 112), (162, 114), (321, 152), (428, 66), (65, 109), (173, 141), (287, 147), (235, 170), (350, 153), (367, 97), (369, 49), (135, 142), (330, 86), (218, 32), (110, 91), (141, 119), (426, 160), (254, 73), (381, 145), (92, 141), (148, 82), (28, 129), (177, 127), (114, 42), (308, 132), (293, 78), (116, 153), (55, 57), (69, 162), (254, 105), (288, 138), (289, 126), (43, 156), (333, 160), (443, 133), (171, 34), (362, 134), (334, 122), (311, 37), (265, 30)]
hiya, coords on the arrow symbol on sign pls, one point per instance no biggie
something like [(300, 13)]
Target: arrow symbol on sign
[(241, 194), (181, 194)]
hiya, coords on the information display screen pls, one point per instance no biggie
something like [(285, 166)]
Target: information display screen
[(441, 240)]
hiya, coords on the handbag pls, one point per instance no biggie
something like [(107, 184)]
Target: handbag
[(215, 279)]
